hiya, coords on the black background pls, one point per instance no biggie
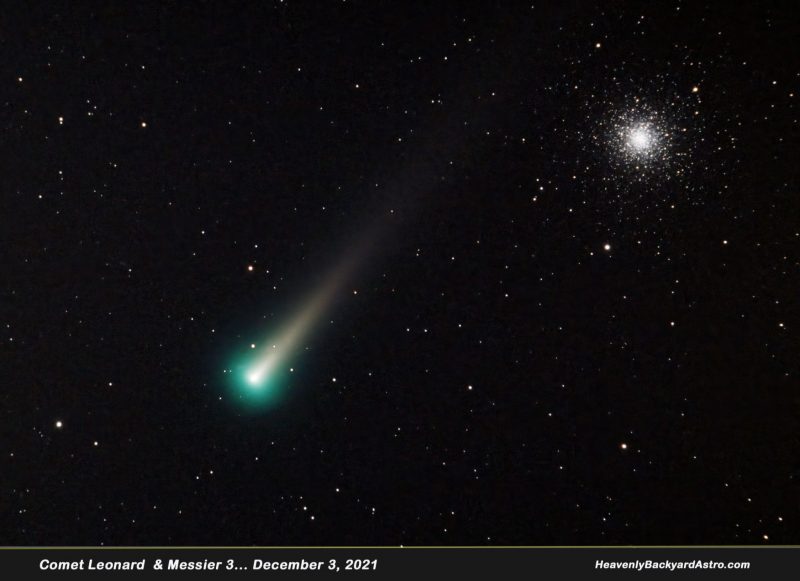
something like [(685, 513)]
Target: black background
[(199, 138)]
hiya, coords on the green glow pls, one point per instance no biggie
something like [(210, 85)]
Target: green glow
[(254, 388), (260, 377)]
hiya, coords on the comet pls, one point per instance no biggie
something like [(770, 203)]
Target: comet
[(274, 356), (259, 378)]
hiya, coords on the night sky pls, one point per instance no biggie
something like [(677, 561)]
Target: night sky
[(382, 273)]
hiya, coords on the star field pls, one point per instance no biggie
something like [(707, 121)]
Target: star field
[(531, 273)]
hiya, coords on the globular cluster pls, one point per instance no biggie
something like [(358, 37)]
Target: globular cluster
[(303, 273), (642, 142), (645, 150)]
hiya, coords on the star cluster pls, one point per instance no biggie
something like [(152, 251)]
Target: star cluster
[(642, 142), (505, 274)]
